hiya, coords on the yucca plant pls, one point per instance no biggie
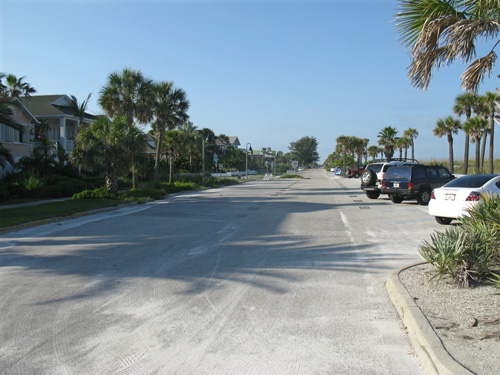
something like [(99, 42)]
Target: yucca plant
[(470, 251)]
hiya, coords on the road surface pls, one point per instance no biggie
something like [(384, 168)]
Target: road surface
[(267, 277)]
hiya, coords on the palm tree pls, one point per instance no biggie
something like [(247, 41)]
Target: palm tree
[(438, 32), (5, 157), (399, 145), (474, 128), (464, 105), (187, 127), (448, 127), (110, 146), (412, 134), (127, 94), (373, 151), (79, 108), (17, 87), (490, 99), (387, 137), (169, 109), (172, 146)]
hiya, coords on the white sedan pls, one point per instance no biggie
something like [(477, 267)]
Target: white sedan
[(453, 199)]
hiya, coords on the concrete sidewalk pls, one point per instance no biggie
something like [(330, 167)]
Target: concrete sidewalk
[(34, 203)]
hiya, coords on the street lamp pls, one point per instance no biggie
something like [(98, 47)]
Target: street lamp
[(247, 149)]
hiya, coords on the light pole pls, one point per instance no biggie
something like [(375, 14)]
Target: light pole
[(246, 164)]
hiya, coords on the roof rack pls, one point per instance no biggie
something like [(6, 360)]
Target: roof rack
[(394, 159)]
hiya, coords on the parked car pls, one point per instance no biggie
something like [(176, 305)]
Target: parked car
[(355, 171), (414, 181), (371, 178), (338, 171), (452, 200)]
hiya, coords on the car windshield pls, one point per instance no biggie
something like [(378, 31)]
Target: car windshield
[(375, 167), (398, 173), (473, 181)]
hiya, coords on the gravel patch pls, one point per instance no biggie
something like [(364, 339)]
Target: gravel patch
[(467, 320)]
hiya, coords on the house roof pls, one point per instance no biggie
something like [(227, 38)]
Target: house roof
[(17, 102), (51, 105), (233, 140)]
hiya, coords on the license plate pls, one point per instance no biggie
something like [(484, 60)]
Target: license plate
[(396, 185), (449, 197)]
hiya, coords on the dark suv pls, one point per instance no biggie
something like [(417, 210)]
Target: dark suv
[(416, 181), (372, 176)]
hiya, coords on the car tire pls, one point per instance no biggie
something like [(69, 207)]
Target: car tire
[(356, 175), (368, 178), (423, 197), (443, 220), (395, 198), (372, 194)]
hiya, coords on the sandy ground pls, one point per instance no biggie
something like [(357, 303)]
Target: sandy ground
[(466, 319)]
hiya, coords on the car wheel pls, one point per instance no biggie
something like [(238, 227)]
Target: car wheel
[(443, 220), (368, 178), (373, 194), (423, 197), (395, 198), (356, 175)]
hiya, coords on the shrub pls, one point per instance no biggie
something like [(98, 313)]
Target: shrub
[(98, 193), (142, 194), (35, 188)]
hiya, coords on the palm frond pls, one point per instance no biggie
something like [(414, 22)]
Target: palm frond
[(476, 71)]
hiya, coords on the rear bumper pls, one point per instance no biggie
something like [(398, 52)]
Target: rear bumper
[(444, 209)]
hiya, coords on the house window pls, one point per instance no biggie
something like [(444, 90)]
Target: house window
[(54, 134), (8, 134)]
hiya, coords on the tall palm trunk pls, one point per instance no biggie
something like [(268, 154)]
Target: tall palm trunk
[(450, 153), (483, 149), (171, 169), (466, 154), (492, 133), (478, 154), (156, 175)]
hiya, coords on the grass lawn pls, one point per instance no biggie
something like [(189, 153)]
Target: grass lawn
[(21, 215)]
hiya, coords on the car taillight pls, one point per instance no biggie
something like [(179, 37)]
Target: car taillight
[(432, 195), (383, 184), (383, 175), (473, 197), (410, 185)]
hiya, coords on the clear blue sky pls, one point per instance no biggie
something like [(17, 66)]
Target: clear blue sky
[(269, 72)]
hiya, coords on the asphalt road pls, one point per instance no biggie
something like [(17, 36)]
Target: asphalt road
[(267, 277)]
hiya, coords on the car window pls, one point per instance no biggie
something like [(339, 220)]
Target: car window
[(443, 172), (398, 173), (472, 181), (375, 167), (418, 172), (432, 171)]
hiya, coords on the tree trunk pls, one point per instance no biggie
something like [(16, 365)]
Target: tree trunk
[(171, 170), (466, 154), (492, 133), (478, 154), (450, 153), (111, 183), (483, 150), (157, 156)]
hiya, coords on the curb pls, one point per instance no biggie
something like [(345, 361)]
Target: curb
[(63, 218), (429, 348)]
